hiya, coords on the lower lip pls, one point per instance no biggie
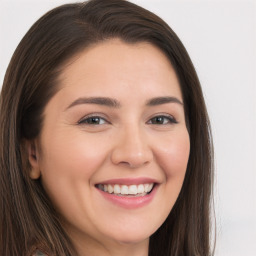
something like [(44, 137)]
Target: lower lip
[(129, 202)]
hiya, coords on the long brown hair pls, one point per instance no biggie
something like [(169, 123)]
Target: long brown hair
[(27, 216)]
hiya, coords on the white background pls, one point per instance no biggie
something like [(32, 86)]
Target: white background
[(220, 37)]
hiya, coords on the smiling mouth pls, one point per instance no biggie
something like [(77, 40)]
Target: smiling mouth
[(126, 190)]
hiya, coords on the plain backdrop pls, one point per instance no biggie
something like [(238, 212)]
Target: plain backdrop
[(220, 37)]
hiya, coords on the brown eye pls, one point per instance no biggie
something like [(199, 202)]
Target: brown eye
[(93, 120), (162, 120)]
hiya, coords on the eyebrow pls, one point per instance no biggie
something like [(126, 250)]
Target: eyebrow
[(104, 101), (112, 103), (163, 100)]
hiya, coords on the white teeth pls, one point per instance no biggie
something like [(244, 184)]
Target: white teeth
[(110, 189), (133, 190), (149, 187), (117, 189), (126, 190), (146, 186), (141, 188)]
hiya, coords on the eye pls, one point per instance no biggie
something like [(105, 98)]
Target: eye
[(162, 120), (93, 120)]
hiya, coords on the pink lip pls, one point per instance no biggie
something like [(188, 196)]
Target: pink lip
[(129, 181), (131, 202)]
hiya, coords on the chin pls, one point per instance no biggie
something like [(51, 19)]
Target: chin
[(134, 240), (132, 236)]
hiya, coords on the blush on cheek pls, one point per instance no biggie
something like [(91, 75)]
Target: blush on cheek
[(174, 156)]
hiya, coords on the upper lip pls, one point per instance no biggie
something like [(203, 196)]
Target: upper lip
[(129, 181)]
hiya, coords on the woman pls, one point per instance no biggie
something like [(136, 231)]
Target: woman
[(105, 139)]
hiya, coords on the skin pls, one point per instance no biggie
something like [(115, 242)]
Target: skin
[(71, 157)]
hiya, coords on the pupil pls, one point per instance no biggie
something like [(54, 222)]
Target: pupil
[(94, 120), (159, 120)]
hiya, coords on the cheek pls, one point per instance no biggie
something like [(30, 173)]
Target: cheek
[(173, 155), (67, 164), (72, 155)]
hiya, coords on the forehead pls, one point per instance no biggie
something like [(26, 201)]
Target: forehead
[(112, 68)]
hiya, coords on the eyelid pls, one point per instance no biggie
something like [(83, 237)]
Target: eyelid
[(171, 118), (93, 115)]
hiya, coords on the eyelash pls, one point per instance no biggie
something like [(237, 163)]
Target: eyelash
[(170, 119), (89, 120), (96, 120)]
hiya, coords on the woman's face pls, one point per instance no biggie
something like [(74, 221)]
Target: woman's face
[(114, 147)]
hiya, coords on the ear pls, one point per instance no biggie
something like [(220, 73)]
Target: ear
[(33, 157)]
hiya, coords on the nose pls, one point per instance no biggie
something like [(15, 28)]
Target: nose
[(132, 149)]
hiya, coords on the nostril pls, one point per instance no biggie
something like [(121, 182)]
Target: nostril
[(133, 164), (131, 153)]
